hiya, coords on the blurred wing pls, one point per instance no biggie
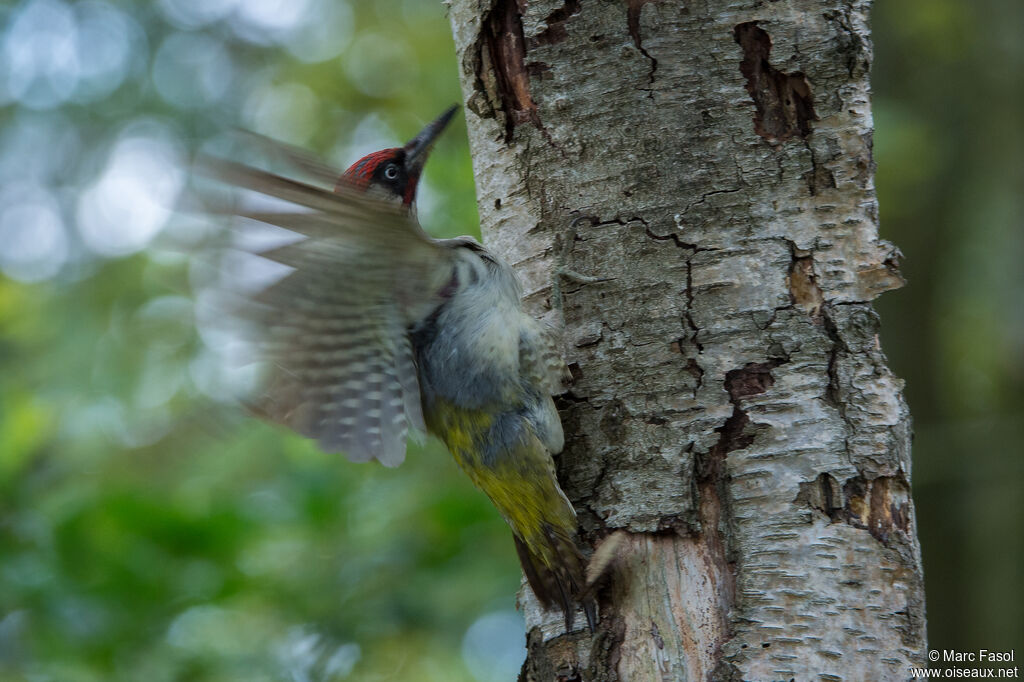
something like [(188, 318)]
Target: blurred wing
[(334, 331), (294, 157)]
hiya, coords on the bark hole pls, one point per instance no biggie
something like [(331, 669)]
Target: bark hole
[(754, 378), (824, 494), (501, 37), (784, 105), (880, 505), (803, 285)]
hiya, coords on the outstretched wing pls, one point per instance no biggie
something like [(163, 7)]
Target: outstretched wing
[(334, 331)]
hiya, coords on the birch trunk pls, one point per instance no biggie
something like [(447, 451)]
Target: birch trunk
[(732, 410)]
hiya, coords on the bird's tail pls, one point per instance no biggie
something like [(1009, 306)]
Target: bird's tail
[(554, 568), (507, 461)]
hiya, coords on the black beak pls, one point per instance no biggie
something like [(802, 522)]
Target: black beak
[(417, 149)]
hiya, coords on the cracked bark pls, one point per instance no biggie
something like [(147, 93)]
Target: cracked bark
[(732, 411)]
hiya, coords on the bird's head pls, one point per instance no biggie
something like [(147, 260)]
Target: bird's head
[(395, 172)]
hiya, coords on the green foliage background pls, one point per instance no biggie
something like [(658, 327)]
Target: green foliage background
[(148, 532)]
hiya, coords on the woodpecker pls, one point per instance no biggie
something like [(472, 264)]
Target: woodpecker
[(380, 330)]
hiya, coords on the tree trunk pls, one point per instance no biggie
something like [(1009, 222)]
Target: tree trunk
[(732, 410)]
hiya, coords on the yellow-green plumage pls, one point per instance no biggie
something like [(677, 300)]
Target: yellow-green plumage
[(521, 484), (520, 481)]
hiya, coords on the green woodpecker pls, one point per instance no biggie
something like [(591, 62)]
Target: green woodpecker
[(380, 330)]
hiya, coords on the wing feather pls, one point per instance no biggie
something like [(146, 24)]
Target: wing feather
[(541, 362), (333, 332)]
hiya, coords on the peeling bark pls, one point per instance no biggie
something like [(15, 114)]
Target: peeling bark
[(731, 412)]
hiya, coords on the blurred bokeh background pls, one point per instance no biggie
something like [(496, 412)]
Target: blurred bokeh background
[(149, 533)]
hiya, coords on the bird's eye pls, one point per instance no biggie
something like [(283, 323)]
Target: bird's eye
[(391, 171)]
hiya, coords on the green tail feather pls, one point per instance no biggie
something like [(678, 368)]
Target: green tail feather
[(559, 582)]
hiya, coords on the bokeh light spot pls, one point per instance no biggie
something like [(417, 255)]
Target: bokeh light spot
[(380, 66), (195, 13), (32, 234), (326, 36), (39, 55), (191, 70), (131, 201), (286, 112), (493, 646), (38, 146), (106, 42), (269, 21)]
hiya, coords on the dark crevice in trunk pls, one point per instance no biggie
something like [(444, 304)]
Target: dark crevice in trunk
[(785, 107), (502, 37), (633, 8)]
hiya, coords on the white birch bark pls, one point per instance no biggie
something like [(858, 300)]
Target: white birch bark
[(732, 410)]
